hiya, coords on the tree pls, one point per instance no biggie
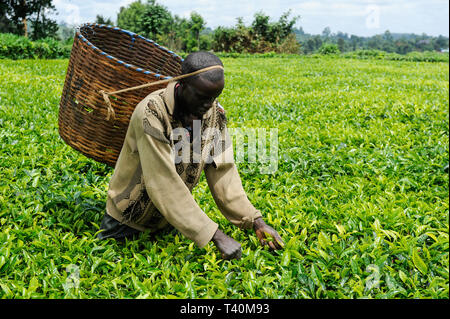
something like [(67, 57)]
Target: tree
[(261, 25), (313, 44), (342, 35), (289, 45), (196, 25), (66, 31), (375, 42), (329, 48), (149, 19), (42, 26), (273, 32), (178, 34), (19, 15), (235, 39), (326, 33), (402, 46), (183, 34), (401, 43), (130, 17), (341, 45), (355, 42), (6, 25), (387, 36), (101, 20), (19, 10), (156, 20), (284, 26), (441, 43)]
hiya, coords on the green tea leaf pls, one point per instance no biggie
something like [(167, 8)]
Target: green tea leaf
[(303, 234), (315, 272), (34, 285), (285, 258), (323, 240), (402, 276), (361, 179), (418, 262)]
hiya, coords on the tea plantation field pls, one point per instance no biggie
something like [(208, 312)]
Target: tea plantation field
[(360, 195)]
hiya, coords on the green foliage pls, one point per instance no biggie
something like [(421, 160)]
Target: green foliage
[(185, 35), (66, 32), (102, 20), (43, 28), (262, 36), (360, 196), (18, 16), (253, 55), (237, 40), (401, 43), (281, 29), (196, 25), (312, 44), (156, 20), (426, 56), (329, 48), (18, 47), (130, 17), (274, 32)]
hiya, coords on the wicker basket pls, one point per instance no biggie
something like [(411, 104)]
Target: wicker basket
[(109, 59)]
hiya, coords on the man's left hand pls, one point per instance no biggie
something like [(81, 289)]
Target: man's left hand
[(264, 231)]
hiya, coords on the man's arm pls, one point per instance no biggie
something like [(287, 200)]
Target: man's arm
[(228, 193), (226, 187)]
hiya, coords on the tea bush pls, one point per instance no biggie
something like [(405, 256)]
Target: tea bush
[(329, 48), (360, 195), (426, 56), (18, 47)]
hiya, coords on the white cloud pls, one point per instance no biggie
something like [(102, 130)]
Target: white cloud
[(68, 12)]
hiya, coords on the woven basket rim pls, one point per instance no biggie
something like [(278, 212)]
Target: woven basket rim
[(132, 34)]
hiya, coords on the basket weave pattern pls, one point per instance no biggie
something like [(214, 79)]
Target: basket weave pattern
[(109, 59)]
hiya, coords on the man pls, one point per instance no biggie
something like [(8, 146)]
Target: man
[(150, 190)]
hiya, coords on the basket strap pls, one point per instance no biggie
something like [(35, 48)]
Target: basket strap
[(108, 104), (107, 94)]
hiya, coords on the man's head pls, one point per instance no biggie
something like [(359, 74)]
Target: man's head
[(199, 91)]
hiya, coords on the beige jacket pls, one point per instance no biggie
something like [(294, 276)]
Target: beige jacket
[(149, 189)]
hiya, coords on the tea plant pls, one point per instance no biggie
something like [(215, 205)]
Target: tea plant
[(360, 195), (18, 47)]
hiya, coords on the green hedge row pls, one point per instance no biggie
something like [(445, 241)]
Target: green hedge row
[(17, 47), (426, 56), (253, 55)]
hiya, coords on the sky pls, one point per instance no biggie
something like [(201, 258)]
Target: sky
[(362, 17)]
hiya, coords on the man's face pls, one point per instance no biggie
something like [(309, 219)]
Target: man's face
[(198, 95)]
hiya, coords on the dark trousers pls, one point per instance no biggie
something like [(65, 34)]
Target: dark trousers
[(114, 229)]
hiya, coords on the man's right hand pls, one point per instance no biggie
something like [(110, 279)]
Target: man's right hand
[(228, 247)]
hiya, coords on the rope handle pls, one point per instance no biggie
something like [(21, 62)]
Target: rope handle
[(106, 95)]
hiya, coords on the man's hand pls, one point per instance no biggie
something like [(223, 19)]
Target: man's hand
[(264, 231), (228, 247)]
